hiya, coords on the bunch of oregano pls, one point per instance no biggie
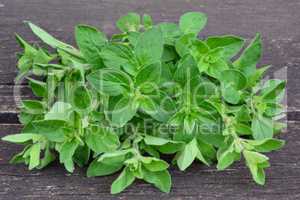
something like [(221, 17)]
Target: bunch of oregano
[(150, 90)]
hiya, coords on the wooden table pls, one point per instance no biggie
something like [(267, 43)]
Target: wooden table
[(277, 20)]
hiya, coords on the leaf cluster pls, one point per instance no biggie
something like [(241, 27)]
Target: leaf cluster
[(120, 103)]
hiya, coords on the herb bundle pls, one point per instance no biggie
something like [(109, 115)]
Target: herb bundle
[(119, 104)]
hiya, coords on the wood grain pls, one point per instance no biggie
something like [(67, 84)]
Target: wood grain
[(198, 182), (277, 20)]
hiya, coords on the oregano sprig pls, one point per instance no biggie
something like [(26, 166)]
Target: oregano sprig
[(117, 104)]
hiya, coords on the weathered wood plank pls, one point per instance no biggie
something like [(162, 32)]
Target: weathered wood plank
[(11, 95), (277, 20), (198, 182)]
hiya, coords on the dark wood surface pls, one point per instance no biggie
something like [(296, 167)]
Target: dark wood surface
[(277, 20)]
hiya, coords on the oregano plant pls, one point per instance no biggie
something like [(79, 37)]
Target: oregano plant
[(118, 104)]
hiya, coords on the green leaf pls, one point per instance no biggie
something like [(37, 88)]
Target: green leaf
[(154, 164), (147, 105), (189, 123), (273, 109), (19, 138), (82, 155), (164, 145), (184, 43), (59, 111), (97, 168), (187, 155), (40, 57), (171, 147), (30, 59), (28, 49), (192, 22), (178, 117), (231, 44), (161, 179), (35, 151), (226, 158), (216, 140), (186, 68), (109, 81), (18, 158), (150, 150), (170, 32), (200, 49), (66, 154), (147, 21), (234, 78), (118, 156), (250, 57), (90, 42), (125, 179), (101, 140), (256, 162), (47, 38), (207, 153), (243, 129), (243, 115), (254, 157), (253, 79), (39, 88), (165, 109), (53, 130), (230, 94), (151, 140), (148, 74), (149, 47), (209, 61), (47, 159), (216, 68), (82, 98), (169, 54), (33, 106), (266, 145), (273, 90), (26, 118), (123, 111), (262, 127), (133, 38), (117, 56), (232, 81), (129, 22)]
